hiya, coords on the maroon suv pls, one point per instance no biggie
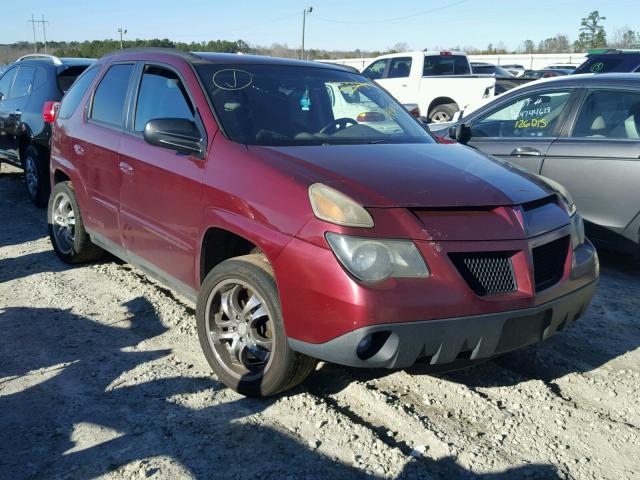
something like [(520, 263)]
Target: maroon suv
[(310, 216)]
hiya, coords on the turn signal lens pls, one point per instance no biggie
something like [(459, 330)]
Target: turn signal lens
[(50, 111), (332, 206)]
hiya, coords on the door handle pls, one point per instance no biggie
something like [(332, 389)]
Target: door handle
[(526, 151), (125, 168), (79, 149)]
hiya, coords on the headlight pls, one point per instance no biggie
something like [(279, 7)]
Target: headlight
[(332, 206), (374, 260)]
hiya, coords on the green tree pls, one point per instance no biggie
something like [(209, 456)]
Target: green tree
[(592, 34)]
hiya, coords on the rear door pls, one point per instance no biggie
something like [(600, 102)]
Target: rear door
[(95, 152), (522, 128), (598, 157), (11, 111), (160, 191), (397, 78)]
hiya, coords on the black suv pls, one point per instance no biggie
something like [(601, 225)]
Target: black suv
[(610, 60), (30, 92)]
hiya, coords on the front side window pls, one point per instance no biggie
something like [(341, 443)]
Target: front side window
[(609, 114), (23, 83), (286, 105), (435, 65), (162, 95), (399, 67), (111, 94), (535, 115), (375, 70), (74, 95), (6, 81)]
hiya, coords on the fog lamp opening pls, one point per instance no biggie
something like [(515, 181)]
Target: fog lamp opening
[(371, 344)]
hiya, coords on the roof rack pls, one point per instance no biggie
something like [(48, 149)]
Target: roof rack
[(43, 56)]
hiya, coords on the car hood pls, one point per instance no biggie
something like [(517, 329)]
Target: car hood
[(410, 175)]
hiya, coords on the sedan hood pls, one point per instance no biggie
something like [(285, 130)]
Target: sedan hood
[(411, 175)]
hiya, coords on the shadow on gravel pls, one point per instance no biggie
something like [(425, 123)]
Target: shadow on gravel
[(68, 410), (23, 215)]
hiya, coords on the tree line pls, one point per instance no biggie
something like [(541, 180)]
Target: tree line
[(591, 35)]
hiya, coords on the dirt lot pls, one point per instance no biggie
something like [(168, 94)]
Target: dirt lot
[(101, 375)]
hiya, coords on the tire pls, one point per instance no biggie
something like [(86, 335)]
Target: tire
[(262, 364), (443, 113), (36, 175), (70, 241)]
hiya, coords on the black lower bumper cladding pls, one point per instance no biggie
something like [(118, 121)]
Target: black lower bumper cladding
[(448, 340)]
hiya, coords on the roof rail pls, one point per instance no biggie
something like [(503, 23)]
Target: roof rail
[(34, 56)]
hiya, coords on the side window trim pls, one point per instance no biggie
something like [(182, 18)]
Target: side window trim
[(133, 104), (89, 109), (132, 101), (562, 120)]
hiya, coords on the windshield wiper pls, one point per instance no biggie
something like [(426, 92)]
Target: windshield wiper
[(374, 142)]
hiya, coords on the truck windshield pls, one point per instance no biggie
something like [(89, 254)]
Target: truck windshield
[(265, 104)]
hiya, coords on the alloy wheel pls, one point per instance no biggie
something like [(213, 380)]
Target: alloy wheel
[(239, 328), (64, 222), (31, 176), (440, 117)]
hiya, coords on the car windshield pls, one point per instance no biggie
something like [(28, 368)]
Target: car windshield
[(610, 63), (265, 104)]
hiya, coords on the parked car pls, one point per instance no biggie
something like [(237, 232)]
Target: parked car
[(504, 79), (303, 235), (561, 67), (514, 68), (610, 60), (545, 73), (30, 90), (440, 83), (582, 131)]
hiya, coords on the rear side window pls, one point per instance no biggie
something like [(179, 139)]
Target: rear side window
[(67, 76), (74, 95), (609, 114), (23, 82), (5, 82), (610, 63), (445, 65), (162, 95), (399, 67), (111, 94), (375, 70)]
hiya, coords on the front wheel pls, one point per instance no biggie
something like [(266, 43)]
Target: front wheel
[(241, 331)]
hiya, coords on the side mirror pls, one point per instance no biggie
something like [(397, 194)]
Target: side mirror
[(461, 133), (177, 134)]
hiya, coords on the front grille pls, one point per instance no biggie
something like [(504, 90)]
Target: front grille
[(487, 273), (548, 262)]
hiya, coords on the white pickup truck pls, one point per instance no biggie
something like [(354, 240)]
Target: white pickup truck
[(440, 83)]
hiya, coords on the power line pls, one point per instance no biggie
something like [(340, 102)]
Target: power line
[(363, 22), (33, 22)]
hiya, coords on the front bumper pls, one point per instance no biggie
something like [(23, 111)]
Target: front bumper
[(445, 341)]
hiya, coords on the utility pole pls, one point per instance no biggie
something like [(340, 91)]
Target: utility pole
[(305, 12), (44, 32), (35, 41), (33, 22), (121, 31)]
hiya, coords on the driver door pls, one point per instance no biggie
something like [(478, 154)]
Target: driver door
[(522, 129)]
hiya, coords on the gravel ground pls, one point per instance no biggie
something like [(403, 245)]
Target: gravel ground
[(101, 375)]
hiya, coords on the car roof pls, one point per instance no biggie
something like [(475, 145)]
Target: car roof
[(212, 57)]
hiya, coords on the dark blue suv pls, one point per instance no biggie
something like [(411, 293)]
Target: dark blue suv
[(30, 92), (610, 60)]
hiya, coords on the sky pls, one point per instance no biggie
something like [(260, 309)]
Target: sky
[(333, 24)]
